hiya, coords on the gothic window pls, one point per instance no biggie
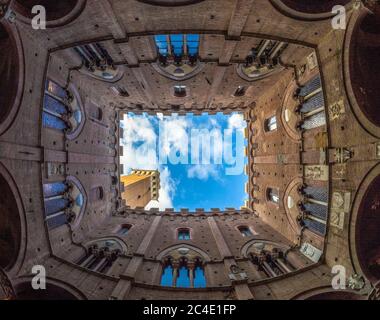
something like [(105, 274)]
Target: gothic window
[(183, 266), (183, 273), (101, 254), (270, 124), (262, 60), (273, 195), (183, 234), (63, 202), (269, 259), (245, 231), (98, 63), (124, 229), (178, 55), (61, 109)]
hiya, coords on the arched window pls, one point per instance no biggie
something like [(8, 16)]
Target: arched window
[(183, 266), (124, 229), (64, 203), (182, 273), (61, 110), (245, 231), (101, 255), (273, 195), (183, 234), (178, 55), (270, 124), (98, 63), (269, 258)]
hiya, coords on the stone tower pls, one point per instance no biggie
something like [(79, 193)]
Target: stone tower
[(140, 187)]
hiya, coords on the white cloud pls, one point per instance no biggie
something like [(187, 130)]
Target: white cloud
[(174, 135), (203, 172), (236, 121), (139, 148)]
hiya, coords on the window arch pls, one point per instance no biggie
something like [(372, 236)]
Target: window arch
[(270, 124), (101, 254), (62, 110), (64, 202), (262, 61), (183, 266), (178, 56), (182, 273), (98, 63), (270, 258)]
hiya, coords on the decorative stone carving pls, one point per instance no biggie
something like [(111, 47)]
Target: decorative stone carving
[(339, 171), (356, 282), (342, 155), (378, 150), (340, 205), (237, 274), (311, 252), (319, 172), (55, 169), (336, 110)]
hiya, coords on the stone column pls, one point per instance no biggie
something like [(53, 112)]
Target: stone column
[(175, 266), (191, 268)]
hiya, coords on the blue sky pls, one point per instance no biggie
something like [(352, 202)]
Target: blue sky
[(189, 180)]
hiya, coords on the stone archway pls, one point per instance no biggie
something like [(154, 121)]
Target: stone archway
[(55, 290), (308, 10), (10, 225), (367, 231), (327, 293), (361, 68), (58, 13), (11, 72)]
